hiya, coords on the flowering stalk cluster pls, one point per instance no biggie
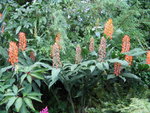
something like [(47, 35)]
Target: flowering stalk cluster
[(45, 110), (108, 28), (102, 50), (91, 47), (57, 39), (2, 27), (78, 56), (129, 59), (22, 41), (56, 55), (13, 53), (117, 68), (125, 44), (148, 57)]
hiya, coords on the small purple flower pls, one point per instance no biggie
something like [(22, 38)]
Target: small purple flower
[(45, 110)]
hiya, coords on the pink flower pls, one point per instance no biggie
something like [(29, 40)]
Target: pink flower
[(45, 110)]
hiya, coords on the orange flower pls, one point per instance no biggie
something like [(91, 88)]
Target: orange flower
[(22, 41), (108, 28), (1, 15), (78, 56), (125, 44), (2, 27), (129, 59), (56, 55), (91, 47), (32, 55), (13, 53), (102, 50), (117, 68), (57, 39), (148, 57)]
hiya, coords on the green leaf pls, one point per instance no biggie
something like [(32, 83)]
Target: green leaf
[(111, 76), (37, 75), (92, 68), (10, 102), (23, 77), (86, 63), (100, 66), (2, 70), (73, 67), (122, 62), (34, 94), (3, 52), (93, 53), (18, 104), (34, 98), (29, 103), (54, 77), (135, 52), (15, 89), (41, 64), (23, 108), (123, 78), (18, 29), (29, 78), (9, 94), (130, 75), (106, 65)]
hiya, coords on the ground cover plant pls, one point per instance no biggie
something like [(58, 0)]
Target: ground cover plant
[(82, 56)]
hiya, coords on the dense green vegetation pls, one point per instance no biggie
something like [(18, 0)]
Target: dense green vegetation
[(56, 65)]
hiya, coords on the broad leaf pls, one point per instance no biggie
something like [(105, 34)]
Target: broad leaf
[(135, 52), (18, 29), (34, 98), (122, 62), (29, 103), (23, 77), (15, 89), (29, 78), (111, 76), (37, 75), (130, 75), (73, 67), (10, 102), (100, 66), (54, 77), (18, 104), (92, 68)]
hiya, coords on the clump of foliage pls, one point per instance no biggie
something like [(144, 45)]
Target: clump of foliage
[(48, 57)]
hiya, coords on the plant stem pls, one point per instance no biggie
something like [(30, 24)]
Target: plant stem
[(71, 101)]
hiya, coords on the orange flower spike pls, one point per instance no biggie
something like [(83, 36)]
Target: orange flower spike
[(148, 57), (57, 39), (91, 47), (102, 50), (22, 41), (56, 56), (78, 56), (13, 53), (117, 68), (129, 59), (1, 15), (125, 44), (109, 28)]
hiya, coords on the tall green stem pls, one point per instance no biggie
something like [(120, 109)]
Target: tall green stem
[(71, 101)]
